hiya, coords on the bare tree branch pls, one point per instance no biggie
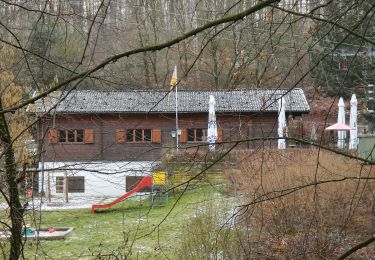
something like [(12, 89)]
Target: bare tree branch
[(158, 47), (356, 248)]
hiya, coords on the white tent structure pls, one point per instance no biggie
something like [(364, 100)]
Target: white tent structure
[(341, 135), (353, 123), (212, 125), (281, 130)]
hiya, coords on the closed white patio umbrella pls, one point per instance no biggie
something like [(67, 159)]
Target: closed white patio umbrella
[(212, 125), (313, 135), (353, 123), (281, 130), (341, 119)]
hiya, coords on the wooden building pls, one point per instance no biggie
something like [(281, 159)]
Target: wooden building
[(96, 139)]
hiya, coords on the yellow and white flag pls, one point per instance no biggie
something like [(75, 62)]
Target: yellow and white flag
[(173, 79)]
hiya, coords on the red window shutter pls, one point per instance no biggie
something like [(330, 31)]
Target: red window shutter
[(183, 136), (156, 136), (120, 136), (89, 136), (219, 135), (53, 136)]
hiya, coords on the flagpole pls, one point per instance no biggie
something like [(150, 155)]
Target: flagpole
[(176, 120), (174, 85)]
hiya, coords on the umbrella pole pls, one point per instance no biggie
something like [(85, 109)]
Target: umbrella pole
[(176, 120)]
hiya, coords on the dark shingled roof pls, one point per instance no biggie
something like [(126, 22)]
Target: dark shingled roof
[(189, 101)]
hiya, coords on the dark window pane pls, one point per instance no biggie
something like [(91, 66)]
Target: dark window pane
[(147, 134), (76, 184), (132, 182), (191, 135), (62, 136), (199, 135), (79, 136), (71, 136), (138, 135), (129, 135), (59, 184)]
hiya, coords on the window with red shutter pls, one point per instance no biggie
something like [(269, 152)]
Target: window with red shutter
[(120, 136), (156, 136), (139, 135), (197, 135), (53, 136), (69, 136), (183, 136), (89, 136), (219, 135)]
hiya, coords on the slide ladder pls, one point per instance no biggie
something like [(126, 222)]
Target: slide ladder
[(144, 183)]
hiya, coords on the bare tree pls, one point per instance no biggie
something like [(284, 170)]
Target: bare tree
[(65, 45)]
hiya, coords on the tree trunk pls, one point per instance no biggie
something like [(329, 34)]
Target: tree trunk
[(16, 210)]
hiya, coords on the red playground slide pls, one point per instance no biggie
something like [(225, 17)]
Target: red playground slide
[(144, 183)]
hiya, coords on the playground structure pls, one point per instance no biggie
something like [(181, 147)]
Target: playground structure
[(157, 183), (159, 189)]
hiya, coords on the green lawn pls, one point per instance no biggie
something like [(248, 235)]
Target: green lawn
[(131, 226)]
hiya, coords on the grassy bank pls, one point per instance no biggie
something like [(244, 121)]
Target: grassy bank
[(131, 228), (301, 204)]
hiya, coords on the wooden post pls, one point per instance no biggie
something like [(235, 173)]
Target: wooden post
[(49, 188), (66, 187)]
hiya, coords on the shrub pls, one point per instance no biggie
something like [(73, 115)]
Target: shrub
[(286, 216), (296, 219)]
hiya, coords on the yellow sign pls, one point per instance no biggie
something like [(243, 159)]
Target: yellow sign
[(159, 178)]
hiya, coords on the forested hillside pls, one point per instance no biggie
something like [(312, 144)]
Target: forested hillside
[(271, 48)]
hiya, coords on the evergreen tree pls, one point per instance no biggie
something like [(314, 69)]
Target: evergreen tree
[(43, 38), (343, 67), (58, 42)]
